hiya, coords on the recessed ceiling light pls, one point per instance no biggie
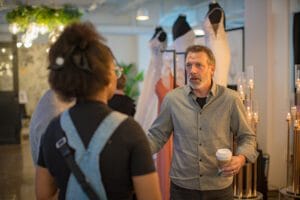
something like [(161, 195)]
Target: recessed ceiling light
[(142, 14), (199, 32)]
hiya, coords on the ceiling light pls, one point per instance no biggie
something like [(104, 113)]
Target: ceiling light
[(142, 14), (93, 7), (199, 32)]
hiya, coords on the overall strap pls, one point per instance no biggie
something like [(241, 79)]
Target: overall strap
[(74, 139), (105, 130), (88, 159)]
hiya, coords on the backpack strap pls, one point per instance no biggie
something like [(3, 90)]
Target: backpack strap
[(88, 159)]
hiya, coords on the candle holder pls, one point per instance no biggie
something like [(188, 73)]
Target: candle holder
[(297, 84), (292, 188), (245, 182)]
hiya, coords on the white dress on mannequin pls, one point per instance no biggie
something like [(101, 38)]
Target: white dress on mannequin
[(180, 45), (217, 41), (147, 106)]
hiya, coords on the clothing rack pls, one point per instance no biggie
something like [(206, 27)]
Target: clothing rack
[(173, 51)]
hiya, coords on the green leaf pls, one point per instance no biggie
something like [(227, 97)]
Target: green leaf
[(23, 15), (133, 78)]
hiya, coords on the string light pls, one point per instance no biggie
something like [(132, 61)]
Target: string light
[(32, 21)]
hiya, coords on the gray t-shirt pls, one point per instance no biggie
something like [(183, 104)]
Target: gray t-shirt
[(49, 106)]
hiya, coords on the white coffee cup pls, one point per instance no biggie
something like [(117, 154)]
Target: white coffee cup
[(223, 157)]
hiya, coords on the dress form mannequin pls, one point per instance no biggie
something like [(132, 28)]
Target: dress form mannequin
[(162, 34), (216, 40), (180, 27), (183, 36), (215, 14), (157, 44)]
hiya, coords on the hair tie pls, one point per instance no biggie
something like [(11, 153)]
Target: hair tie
[(59, 62), (77, 56), (81, 62)]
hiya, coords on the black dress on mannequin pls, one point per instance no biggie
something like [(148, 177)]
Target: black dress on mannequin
[(180, 27), (214, 14)]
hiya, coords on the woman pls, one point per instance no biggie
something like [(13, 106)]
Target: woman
[(82, 67)]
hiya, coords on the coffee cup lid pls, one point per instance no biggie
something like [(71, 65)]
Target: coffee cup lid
[(224, 154)]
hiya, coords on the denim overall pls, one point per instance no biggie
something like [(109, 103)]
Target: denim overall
[(88, 159)]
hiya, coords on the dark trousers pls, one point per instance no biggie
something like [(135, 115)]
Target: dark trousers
[(179, 193)]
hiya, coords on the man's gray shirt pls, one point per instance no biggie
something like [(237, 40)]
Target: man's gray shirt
[(198, 133)]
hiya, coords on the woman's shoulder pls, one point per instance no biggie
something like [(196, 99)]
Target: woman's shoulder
[(130, 124), (130, 130)]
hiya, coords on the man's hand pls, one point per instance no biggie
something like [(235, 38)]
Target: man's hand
[(236, 163)]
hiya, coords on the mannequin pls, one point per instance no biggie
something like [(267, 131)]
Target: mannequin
[(157, 43), (215, 14), (180, 27), (183, 36), (216, 40), (162, 34)]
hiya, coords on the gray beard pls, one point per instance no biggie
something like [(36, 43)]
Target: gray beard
[(193, 86)]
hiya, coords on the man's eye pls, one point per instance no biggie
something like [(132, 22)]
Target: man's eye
[(188, 65), (198, 65)]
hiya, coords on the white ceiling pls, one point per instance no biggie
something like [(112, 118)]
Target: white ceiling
[(118, 16)]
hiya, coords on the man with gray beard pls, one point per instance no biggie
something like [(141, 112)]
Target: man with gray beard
[(203, 117)]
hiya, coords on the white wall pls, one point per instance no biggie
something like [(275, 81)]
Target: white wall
[(268, 47), (124, 47), (143, 52), (131, 49)]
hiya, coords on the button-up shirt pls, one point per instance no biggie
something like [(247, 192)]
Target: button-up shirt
[(198, 133)]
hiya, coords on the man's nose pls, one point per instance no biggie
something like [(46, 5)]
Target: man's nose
[(194, 69)]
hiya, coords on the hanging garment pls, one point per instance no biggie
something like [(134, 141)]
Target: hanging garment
[(183, 37), (296, 38), (147, 105), (216, 40)]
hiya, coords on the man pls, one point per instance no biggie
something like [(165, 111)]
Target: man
[(49, 106), (203, 117)]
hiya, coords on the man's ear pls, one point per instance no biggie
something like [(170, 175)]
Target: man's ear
[(213, 68)]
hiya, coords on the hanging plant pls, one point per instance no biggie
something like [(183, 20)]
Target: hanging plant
[(42, 16)]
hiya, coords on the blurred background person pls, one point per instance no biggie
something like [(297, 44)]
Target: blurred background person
[(49, 106), (120, 101)]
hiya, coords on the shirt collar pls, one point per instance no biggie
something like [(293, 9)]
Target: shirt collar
[(213, 91)]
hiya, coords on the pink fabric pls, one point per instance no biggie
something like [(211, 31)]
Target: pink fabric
[(163, 163)]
